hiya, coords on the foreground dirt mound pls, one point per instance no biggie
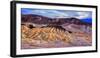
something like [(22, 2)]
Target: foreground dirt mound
[(51, 37)]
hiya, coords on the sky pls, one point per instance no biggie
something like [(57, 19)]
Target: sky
[(53, 13)]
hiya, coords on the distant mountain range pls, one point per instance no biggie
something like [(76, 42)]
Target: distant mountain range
[(37, 19)]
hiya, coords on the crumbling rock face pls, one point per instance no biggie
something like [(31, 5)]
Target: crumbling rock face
[(46, 34)]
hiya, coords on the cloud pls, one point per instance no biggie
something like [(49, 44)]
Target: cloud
[(57, 13), (83, 15)]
